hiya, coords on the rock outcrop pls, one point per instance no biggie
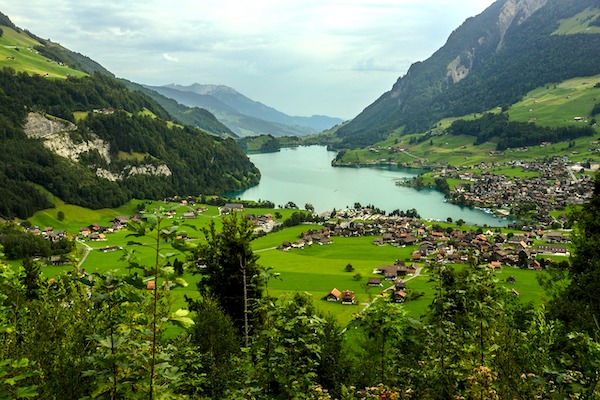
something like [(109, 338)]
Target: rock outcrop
[(57, 137)]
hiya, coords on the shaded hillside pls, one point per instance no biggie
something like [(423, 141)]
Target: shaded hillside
[(491, 60), (256, 109)]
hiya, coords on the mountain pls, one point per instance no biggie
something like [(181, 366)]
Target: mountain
[(77, 132), (245, 116), (490, 61)]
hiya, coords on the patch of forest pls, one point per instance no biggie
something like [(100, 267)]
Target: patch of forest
[(511, 134)]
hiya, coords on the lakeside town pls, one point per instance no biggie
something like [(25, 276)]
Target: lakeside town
[(532, 191)]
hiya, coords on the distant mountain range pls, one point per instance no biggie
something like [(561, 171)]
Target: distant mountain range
[(490, 61), (243, 115)]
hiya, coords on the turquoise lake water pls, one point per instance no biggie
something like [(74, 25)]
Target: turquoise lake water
[(305, 175)]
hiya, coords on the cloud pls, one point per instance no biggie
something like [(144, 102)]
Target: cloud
[(302, 56), (169, 57)]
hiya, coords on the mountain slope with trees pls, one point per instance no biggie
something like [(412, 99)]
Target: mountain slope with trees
[(141, 154), (490, 61)]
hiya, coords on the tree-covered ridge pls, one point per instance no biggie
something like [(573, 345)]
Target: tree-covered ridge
[(511, 134), (199, 163), (500, 72)]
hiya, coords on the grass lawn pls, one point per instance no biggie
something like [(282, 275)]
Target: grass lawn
[(17, 52), (316, 269)]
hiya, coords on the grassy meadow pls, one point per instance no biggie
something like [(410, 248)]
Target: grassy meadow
[(316, 269), (17, 52)]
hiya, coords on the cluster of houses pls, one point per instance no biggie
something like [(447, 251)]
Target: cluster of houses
[(347, 296), (97, 233), (48, 233), (308, 238), (394, 274), (435, 244), (554, 187)]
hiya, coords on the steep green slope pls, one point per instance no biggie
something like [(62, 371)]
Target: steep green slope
[(122, 145), (480, 67), (19, 51), (568, 104)]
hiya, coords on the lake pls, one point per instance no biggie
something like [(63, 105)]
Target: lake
[(305, 175)]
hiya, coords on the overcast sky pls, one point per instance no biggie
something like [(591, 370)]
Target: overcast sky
[(303, 57)]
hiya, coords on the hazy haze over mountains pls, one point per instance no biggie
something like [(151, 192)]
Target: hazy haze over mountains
[(243, 115)]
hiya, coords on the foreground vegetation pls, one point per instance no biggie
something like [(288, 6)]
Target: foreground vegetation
[(253, 332)]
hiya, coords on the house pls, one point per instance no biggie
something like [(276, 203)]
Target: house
[(390, 272), (334, 295), (108, 249), (399, 285), (552, 249), (59, 260), (189, 215), (347, 297), (399, 296), (374, 282), (227, 208), (298, 244), (494, 264)]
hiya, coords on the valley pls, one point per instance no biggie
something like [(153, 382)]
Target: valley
[(443, 243)]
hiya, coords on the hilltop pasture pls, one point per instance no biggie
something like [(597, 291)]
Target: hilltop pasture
[(17, 51)]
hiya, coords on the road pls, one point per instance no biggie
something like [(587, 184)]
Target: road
[(88, 249)]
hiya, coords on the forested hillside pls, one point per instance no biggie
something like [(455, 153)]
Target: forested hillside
[(197, 161), (482, 66)]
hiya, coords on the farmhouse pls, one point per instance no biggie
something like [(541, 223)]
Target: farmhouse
[(108, 249), (227, 208), (374, 282), (347, 297), (189, 215), (334, 295), (399, 296), (552, 249)]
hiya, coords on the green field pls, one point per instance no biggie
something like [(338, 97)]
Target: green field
[(579, 23), (316, 269), (553, 105), (17, 52)]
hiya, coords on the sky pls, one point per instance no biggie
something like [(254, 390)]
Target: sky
[(302, 57)]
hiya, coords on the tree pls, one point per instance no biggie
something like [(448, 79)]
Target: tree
[(60, 216), (577, 306), (309, 207), (287, 349), (382, 325), (214, 347), (30, 278), (229, 269), (349, 268)]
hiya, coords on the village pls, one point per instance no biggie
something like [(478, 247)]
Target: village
[(554, 187), (431, 244)]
